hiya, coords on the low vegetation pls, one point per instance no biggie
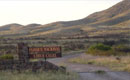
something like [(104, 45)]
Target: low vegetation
[(99, 49), (115, 57), (100, 72), (113, 62), (6, 56), (5, 75), (106, 50)]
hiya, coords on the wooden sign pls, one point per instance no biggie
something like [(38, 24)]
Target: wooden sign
[(45, 52)]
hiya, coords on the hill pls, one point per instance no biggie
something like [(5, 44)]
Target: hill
[(114, 21)]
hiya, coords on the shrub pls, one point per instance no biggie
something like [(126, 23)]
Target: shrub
[(101, 53), (73, 46), (121, 48), (100, 72), (105, 50), (109, 42), (7, 56), (100, 46), (100, 49)]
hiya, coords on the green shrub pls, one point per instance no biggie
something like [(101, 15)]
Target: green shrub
[(101, 47), (100, 72), (105, 50), (6, 56), (102, 53)]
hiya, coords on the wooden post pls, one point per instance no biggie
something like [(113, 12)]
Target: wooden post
[(45, 61)]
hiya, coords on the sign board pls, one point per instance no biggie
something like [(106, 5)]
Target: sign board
[(45, 52)]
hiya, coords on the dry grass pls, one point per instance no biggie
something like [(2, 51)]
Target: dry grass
[(114, 63), (38, 76)]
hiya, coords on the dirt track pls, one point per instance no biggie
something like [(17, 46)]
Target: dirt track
[(87, 72)]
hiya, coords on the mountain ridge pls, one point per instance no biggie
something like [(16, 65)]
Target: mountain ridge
[(95, 24)]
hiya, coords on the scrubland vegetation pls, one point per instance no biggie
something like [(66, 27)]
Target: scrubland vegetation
[(106, 50), (110, 46), (8, 50), (7, 56), (115, 57), (112, 53)]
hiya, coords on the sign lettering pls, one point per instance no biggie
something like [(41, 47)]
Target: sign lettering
[(44, 52), (44, 49)]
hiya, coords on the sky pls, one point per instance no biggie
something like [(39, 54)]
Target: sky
[(46, 11)]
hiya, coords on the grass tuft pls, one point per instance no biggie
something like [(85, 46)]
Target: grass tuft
[(100, 72)]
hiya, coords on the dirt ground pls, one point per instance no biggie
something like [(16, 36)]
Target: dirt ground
[(88, 72)]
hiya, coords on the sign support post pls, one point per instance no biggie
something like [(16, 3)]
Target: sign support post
[(45, 61)]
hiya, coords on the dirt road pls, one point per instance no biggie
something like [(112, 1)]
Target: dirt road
[(88, 72)]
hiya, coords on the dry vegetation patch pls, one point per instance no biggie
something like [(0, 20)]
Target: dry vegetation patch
[(5, 75), (113, 62)]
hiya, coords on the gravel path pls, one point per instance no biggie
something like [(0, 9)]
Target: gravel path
[(87, 72), (105, 76)]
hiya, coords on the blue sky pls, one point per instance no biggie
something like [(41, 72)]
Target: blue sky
[(47, 11)]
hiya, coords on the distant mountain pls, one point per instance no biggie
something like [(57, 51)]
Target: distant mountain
[(114, 15), (9, 26), (110, 22)]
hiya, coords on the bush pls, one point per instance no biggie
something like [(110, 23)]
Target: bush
[(110, 43), (100, 46), (121, 48), (7, 56), (100, 49), (100, 72), (73, 46), (105, 50)]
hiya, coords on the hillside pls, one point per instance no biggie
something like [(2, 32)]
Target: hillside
[(110, 22)]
